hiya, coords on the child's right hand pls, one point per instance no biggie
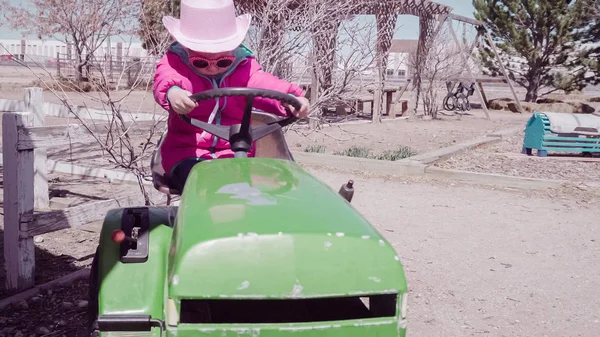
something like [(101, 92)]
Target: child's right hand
[(180, 100)]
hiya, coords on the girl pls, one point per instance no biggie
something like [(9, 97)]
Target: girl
[(208, 53)]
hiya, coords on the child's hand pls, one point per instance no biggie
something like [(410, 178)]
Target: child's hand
[(304, 108), (180, 101)]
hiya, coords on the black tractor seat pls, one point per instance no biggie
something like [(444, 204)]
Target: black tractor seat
[(160, 179)]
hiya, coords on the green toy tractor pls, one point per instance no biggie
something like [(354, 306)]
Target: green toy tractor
[(256, 246)]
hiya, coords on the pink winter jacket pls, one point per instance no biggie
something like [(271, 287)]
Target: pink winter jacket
[(186, 141)]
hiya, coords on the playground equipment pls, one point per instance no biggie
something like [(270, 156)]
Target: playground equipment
[(458, 96), (256, 246), (562, 132)]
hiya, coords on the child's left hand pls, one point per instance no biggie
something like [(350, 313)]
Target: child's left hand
[(304, 108)]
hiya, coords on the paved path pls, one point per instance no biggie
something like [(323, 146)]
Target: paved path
[(487, 263)]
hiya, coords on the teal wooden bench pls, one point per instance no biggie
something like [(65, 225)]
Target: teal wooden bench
[(562, 132)]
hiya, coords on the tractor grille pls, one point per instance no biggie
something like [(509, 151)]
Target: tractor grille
[(259, 311)]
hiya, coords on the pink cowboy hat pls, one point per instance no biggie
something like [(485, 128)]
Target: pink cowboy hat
[(208, 26)]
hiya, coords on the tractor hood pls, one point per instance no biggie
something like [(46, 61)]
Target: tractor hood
[(265, 228)]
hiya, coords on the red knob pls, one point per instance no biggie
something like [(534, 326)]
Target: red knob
[(118, 236)]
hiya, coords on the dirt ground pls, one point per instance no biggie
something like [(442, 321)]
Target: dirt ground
[(488, 262), (53, 312), (418, 134), (421, 135), (506, 158), (15, 78), (477, 261)]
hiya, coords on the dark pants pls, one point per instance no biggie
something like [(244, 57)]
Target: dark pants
[(181, 171)]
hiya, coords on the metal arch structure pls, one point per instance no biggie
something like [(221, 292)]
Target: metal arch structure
[(482, 32), (431, 15), (386, 13)]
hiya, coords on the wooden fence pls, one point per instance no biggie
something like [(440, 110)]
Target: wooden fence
[(113, 68), (26, 196)]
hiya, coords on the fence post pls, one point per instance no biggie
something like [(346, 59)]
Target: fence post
[(18, 166), (57, 64), (34, 103)]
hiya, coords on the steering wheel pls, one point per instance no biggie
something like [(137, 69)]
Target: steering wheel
[(241, 136)]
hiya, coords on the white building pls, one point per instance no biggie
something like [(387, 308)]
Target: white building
[(48, 49), (399, 66)]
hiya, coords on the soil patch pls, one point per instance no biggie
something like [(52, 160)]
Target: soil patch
[(500, 158), (420, 135), (61, 311)]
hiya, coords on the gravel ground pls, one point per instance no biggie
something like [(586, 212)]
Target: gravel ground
[(55, 312), (489, 262), (421, 135), (506, 158)]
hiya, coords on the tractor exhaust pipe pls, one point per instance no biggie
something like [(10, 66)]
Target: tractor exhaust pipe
[(347, 190)]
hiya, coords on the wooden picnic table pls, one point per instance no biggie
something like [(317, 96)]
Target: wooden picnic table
[(358, 103), (389, 97)]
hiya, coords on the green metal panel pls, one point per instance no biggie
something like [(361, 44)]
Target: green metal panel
[(380, 327), (135, 288), (287, 266), (572, 143), (154, 333), (534, 132), (595, 141), (539, 136), (571, 149), (267, 228)]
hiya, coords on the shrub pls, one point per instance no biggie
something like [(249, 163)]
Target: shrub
[(355, 151), (397, 154), (315, 148), (391, 155)]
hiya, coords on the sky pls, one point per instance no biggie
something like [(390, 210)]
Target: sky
[(408, 26)]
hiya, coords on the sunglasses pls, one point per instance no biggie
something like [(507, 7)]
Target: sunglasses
[(202, 63)]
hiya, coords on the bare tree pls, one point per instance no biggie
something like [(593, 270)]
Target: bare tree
[(284, 29), (152, 32), (83, 24), (354, 66), (442, 64), (124, 136), (284, 34)]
